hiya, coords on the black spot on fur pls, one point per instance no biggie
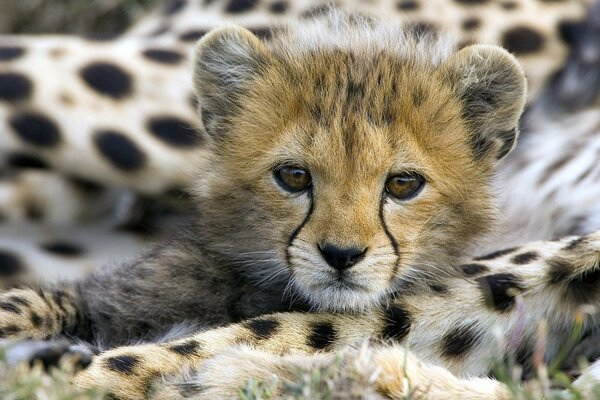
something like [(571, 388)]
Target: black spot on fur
[(191, 36), (316, 11), (262, 33), (263, 328), (279, 7), (575, 243), (496, 254), (119, 150), (240, 6), (10, 307), (407, 5), (525, 258), (14, 86), (188, 348), (174, 6), (474, 269), (123, 364), (582, 288), (509, 5), (85, 185), (163, 56), (28, 161), (19, 300), (107, 79), (174, 131), (322, 336), (438, 288), (63, 248), (471, 2), (471, 24), (35, 129), (8, 330), (36, 320), (397, 323), (499, 290), (9, 53), (34, 211), (419, 29), (522, 40), (460, 340), (571, 31)]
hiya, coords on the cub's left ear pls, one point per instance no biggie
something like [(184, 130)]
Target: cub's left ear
[(493, 89)]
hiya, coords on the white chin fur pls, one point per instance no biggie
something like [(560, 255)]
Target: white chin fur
[(334, 299)]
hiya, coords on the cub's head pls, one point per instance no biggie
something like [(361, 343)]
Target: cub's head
[(348, 159)]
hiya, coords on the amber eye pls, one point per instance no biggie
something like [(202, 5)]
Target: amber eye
[(293, 179), (404, 186)]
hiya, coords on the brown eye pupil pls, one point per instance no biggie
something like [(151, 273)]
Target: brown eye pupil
[(293, 179), (403, 187)]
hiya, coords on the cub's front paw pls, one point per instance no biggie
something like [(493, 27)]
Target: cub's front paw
[(53, 353), (23, 314)]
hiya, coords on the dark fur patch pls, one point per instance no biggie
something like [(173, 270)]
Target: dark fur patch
[(9, 330), (407, 5), (322, 336), (124, 364), (9, 264), (471, 24), (20, 301), (525, 258), (495, 254), (12, 308), (509, 5), (279, 7), (188, 348), (499, 290), (582, 288), (121, 151), (472, 2), (174, 131), (575, 243), (36, 320), (397, 323), (192, 36), (240, 6), (523, 40), (9, 53), (438, 288), (14, 86), (460, 340), (263, 328), (23, 160), (107, 79), (35, 129), (163, 56), (474, 269), (62, 248), (174, 6)]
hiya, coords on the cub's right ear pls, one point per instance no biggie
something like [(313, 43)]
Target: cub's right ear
[(226, 61)]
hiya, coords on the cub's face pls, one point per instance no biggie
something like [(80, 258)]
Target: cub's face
[(339, 175)]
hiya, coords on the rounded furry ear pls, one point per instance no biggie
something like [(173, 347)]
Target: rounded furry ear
[(492, 86), (226, 61)]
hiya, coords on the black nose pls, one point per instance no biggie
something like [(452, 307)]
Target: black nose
[(341, 258)]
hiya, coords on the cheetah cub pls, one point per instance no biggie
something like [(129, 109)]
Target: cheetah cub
[(350, 164)]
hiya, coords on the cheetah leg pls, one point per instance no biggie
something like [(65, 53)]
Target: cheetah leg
[(463, 336), (133, 372), (37, 314)]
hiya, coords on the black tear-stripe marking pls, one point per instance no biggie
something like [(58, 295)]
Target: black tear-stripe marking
[(390, 237), (297, 231)]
